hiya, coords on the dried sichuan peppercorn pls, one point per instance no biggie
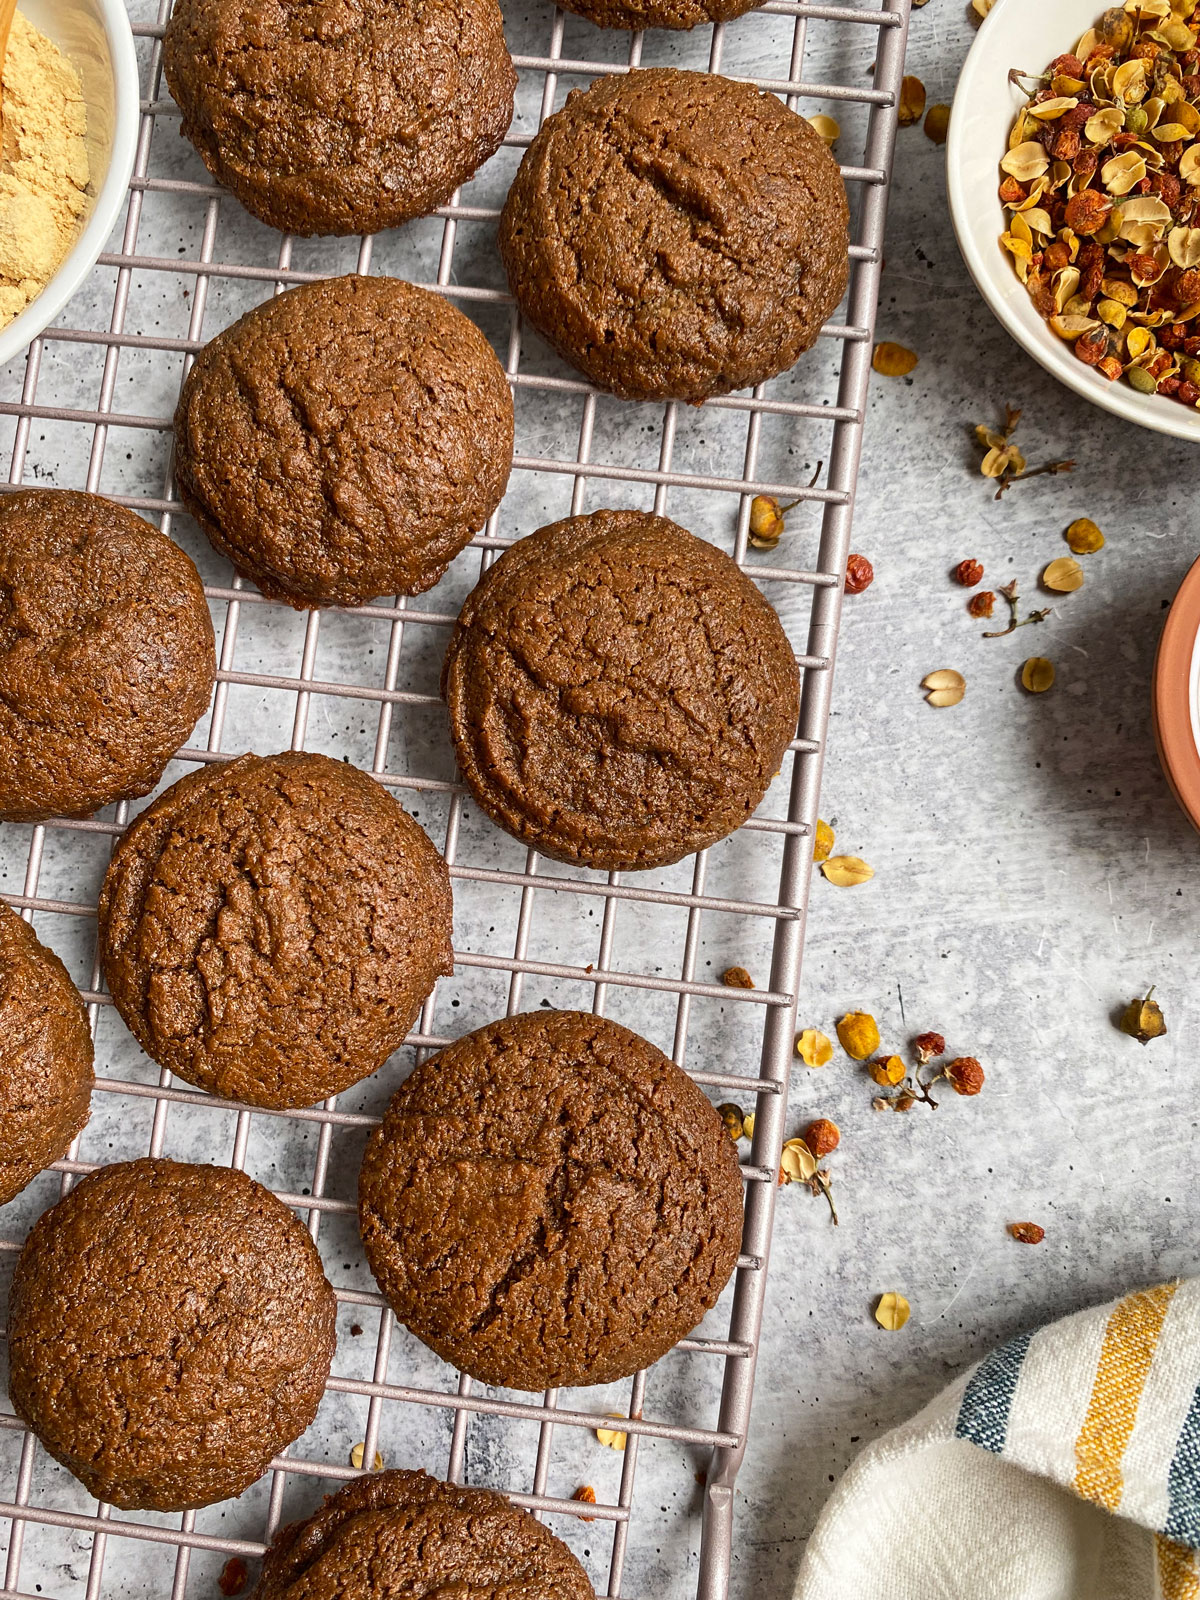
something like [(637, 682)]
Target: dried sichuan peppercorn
[(822, 1137), (968, 573), (982, 604), (964, 1075), (860, 574)]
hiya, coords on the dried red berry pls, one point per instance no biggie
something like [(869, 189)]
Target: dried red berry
[(928, 1045), (232, 1579), (968, 573), (982, 604), (965, 1075), (1087, 211), (822, 1137), (1027, 1232), (860, 574)]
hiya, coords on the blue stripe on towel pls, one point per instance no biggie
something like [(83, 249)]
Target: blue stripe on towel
[(987, 1399), (1183, 1481)]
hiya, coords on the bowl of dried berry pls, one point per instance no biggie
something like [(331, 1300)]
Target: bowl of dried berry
[(1073, 170)]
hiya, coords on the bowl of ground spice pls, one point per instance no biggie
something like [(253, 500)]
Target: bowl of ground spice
[(70, 109), (1073, 170)]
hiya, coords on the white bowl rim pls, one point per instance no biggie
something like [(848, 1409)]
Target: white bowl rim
[(993, 274), (82, 257)]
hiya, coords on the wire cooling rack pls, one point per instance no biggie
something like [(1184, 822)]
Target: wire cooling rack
[(90, 407)]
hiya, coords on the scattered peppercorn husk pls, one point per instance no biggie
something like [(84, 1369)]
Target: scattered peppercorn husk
[(937, 123), (946, 687), (586, 1495), (1015, 620), (1084, 537), (1027, 1232), (911, 106), (846, 872), (893, 360), (968, 573), (888, 1071), (613, 1438), (1101, 189), (826, 127), (892, 1311), (731, 1116), (982, 604), (822, 841), (737, 978), (1037, 675), (814, 1048), (358, 1455), (797, 1164), (1003, 460), (1063, 575), (1143, 1019), (858, 1034)]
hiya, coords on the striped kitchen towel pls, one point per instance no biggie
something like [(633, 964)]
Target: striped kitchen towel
[(1065, 1466)]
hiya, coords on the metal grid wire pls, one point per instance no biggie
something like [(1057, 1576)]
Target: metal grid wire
[(452, 1397)]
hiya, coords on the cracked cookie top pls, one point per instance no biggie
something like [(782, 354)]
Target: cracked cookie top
[(45, 1056), (675, 14), (106, 653), (340, 116), (676, 235), (344, 440), (170, 1329), (270, 926), (403, 1533), (620, 692), (550, 1201)]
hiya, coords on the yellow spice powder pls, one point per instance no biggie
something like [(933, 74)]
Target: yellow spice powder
[(43, 166)]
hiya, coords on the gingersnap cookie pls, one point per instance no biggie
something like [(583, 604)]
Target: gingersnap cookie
[(269, 927), (340, 119), (676, 235), (620, 693), (45, 1056), (403, 1533), (106, 653), (550, 1201), (344, 440), (170, 1329), (675, 14)]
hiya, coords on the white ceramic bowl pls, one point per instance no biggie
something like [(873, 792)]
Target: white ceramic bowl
[(95, 36), (1026, 34)]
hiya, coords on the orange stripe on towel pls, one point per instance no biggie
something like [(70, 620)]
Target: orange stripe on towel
[(1178, 1571), (1130, 1340)]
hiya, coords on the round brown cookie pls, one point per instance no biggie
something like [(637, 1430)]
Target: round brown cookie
[(676, 235), (403, 1533), (620, 692), (45, 1056), (344, 440), (269, 927), (340, 119), (106, 653), (170, 1329), (550, 1201), (675, 14)]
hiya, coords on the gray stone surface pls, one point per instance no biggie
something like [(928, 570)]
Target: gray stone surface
[(1032, 871)]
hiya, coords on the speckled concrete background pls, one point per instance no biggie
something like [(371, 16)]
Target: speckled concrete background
[(1032, 871)]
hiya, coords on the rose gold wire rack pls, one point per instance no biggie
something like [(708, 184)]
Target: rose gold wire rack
[(104, 1542)]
